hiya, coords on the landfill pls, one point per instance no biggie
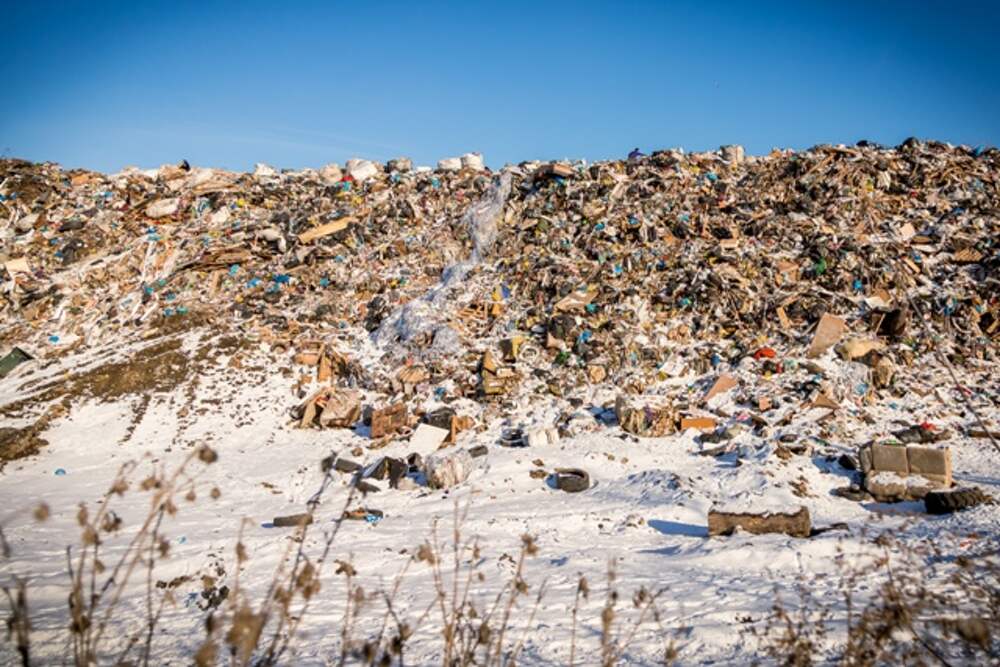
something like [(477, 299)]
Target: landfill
[(625, 274), (800, 336)]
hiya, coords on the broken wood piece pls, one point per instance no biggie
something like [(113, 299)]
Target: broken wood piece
[(309, 353), (722, 385), (292, 520), (828, 333), (555, 169), (325, 369), (783, 318), (388, 420), (577, 300), (325, 230), (823, 400), (16, 266), (857, 347), (967, 256), (701, 423), (796, 524)]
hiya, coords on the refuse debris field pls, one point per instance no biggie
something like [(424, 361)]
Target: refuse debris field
[(703, 381)]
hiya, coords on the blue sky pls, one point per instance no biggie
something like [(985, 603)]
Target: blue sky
[(295, 84)]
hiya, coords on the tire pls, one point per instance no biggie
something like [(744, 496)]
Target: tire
[(946, 502)]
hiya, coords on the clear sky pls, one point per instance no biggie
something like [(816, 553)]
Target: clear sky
[(108, 84)]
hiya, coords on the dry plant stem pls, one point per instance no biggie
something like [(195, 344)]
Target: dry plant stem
[(344, 626), (512, 659), (439, 589), (389, 612), (487, 650), (328, 544), (457, 556), (624, 644), (515, 590), (276, 650), (161, 498), (572, 636), (607, 616), (19, 624), (75, 604), (908, 620), (152, 619), (452, 617)]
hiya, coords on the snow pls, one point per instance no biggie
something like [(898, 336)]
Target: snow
[(645, 514)]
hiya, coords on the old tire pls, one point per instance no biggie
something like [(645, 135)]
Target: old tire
[(946, 502)]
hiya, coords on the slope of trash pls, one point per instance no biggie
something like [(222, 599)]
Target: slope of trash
[(719, 372)]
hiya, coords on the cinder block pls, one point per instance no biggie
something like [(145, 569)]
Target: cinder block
[(940, 481), (890, 458), (865, 458), (930, 462)]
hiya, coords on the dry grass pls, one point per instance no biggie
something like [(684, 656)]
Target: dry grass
[(926, 609)]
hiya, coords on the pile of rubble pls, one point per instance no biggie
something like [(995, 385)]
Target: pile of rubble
[(714, 291)]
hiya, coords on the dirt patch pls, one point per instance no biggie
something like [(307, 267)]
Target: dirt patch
[(159, 367), (177, 324), (17, 443)]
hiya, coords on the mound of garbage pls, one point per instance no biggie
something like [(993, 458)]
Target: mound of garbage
[(714, 290)]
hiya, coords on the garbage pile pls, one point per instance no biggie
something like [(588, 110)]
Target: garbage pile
[(715, 291)]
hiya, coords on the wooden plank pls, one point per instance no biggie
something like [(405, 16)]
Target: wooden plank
[(325, 230)]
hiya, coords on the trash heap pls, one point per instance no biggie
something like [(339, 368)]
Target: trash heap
[(707, 290)]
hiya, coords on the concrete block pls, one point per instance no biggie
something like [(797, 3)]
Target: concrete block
[(865, 458), (939, 481), (890, 458), (930, 462), (890, 487), (796, 524)]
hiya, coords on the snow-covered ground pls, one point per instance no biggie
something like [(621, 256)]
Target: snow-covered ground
[(645, 514)]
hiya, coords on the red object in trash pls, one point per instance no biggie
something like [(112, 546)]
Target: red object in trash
[(765, 353)]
